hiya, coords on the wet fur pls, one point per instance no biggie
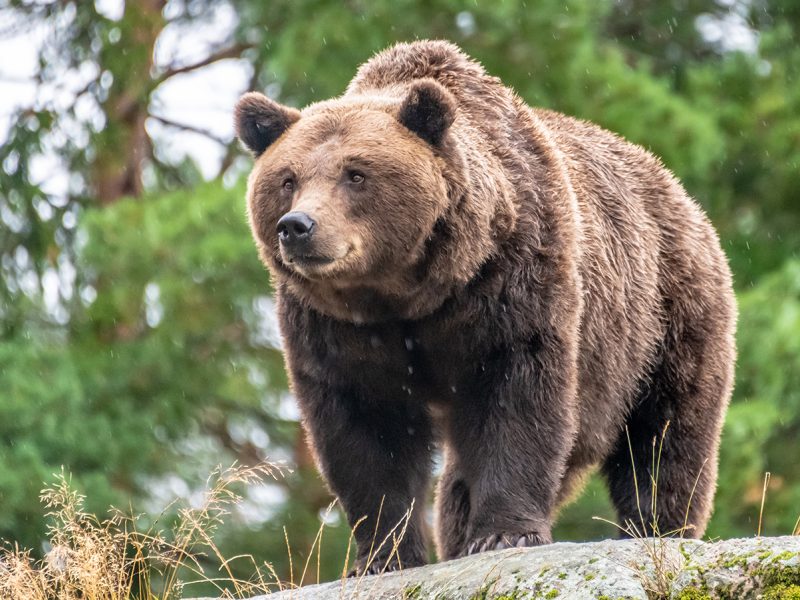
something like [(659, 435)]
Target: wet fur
[(566, 286)]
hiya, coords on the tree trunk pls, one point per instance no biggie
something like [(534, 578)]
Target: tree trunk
[(123, 145)]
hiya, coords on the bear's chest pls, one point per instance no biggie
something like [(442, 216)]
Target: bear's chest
[(415, 361), (435, 360)]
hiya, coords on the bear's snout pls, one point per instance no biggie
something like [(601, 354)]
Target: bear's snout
[(295, 230)]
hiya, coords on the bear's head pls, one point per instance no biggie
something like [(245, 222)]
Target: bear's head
[(349, 199)]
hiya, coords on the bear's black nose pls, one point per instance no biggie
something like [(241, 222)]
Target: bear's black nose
[(294, 228)]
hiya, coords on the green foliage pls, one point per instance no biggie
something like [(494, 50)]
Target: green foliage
[(762, 432)]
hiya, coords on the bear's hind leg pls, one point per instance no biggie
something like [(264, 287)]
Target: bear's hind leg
[(678, 466)]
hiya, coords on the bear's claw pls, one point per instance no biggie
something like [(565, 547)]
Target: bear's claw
[(503, 541)]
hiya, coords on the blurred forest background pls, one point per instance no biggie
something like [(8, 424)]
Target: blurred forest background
[(138, 346)]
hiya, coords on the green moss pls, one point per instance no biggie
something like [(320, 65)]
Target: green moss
[(483, 593), (589, 576), (562, 576), (778, 575), (593, 560), (486, 593), (735, 560), (515, 595), (779, 581), (551, 594), (543, 571), (412, 592), (693, 593), (782, 592), (785, 555), (684, 552)]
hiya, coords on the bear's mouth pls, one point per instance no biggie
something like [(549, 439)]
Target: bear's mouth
[(316, 264), (310, 260)]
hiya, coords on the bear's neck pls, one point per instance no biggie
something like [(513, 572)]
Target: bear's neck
[(401, 298)]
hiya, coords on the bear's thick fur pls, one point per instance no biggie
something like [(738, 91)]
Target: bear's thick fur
[(530, 292)]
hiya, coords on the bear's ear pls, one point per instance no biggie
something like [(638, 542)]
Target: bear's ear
[(260, 121), (428, 110)]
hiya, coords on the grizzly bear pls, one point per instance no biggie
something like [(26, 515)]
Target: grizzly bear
[(524, 290)]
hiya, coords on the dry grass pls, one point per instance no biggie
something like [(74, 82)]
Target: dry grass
[(391, 541), (111, 559)]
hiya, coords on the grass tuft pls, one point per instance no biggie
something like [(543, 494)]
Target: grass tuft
[(659, 582), (112, 559)]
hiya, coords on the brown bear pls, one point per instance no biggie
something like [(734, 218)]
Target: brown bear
[(525, 290)]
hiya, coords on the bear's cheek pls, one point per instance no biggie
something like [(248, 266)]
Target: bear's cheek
[(401, 207), (381, 248), (397, 235)]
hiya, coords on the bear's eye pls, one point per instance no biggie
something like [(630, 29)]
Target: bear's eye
[(288, 185), (356, 177)]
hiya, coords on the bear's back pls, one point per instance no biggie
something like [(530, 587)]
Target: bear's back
[(405, 62)]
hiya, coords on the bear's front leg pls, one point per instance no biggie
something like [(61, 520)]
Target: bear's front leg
[(510, 439), (376, 456)]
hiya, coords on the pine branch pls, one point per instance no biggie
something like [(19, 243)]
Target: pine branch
[(191, 128), (234, 51)]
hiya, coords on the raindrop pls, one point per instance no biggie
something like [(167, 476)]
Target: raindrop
[(465, 22), (764, 68), (273, 90), (106, 79), (11, 163)]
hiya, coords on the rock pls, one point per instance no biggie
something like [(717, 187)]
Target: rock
[(767, 568), (757, 568)]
